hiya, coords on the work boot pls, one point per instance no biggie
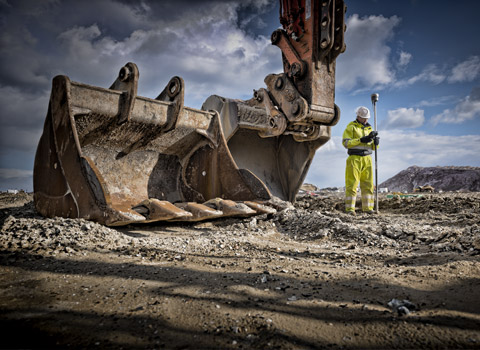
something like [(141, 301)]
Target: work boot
[(369, 212), (351, 213)]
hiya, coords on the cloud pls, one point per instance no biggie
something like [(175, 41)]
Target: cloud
[(23, 109), (208, 49), (398, 150), (16, 179), (468, 70), (431, 73), (366, 62), (14, 173), (465, 110), (404, 59), (13, 137), (402, 118), (21, 65), (465, 71), (22, 115), (436, 101)]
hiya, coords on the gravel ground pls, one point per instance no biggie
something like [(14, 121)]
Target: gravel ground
[(306, 277)]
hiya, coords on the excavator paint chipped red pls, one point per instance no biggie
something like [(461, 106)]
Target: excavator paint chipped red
[(111, 156)]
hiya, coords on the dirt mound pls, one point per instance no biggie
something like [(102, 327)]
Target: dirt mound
[(450, 178)]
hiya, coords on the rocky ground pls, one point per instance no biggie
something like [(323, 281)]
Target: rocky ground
[(306, 277)]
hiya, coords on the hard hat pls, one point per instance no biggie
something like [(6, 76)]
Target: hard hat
[(363, 112)]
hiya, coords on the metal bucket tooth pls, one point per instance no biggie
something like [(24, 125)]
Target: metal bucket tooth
[(155, 210), (230, 208), (199, 212), (260, 208)]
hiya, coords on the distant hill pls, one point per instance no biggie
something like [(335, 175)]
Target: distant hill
[(309, 187), (448, 178)]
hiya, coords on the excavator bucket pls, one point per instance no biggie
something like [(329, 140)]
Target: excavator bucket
[(111, 156), (116, 158)]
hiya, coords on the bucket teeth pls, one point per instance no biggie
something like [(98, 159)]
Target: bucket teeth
[(260, 208), (199, 212), (230, 208), (124, 217), (157, 210)]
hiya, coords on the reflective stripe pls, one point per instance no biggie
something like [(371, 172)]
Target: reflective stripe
[(350, 198), (368, 202), (348, 205), (345, 142), (366, 148)]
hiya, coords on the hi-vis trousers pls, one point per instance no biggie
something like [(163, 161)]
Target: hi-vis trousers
[(359, 169)]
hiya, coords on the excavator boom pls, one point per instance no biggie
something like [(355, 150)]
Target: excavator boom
[(114, 157)]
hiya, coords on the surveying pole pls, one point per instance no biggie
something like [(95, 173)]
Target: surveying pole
[(374, 103)]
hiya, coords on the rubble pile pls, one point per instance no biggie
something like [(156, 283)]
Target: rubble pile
[(448, 222), (22, 229), (19, 198), (441, 222)]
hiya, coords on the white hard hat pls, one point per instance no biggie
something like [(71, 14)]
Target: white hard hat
[(363, 112)]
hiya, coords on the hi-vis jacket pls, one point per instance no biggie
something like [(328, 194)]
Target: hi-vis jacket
[(351, 139)]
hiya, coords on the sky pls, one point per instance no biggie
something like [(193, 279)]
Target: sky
[(421, 56)]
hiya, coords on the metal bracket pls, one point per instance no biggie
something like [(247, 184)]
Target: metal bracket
[(332, 28), (277, 123), (174, 92), (298, 67), (127, 83), (288, 99)]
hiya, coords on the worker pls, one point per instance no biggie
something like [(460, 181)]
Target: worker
[(359, 140)]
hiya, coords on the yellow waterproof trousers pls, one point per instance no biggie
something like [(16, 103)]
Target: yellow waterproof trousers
[(359, 169)]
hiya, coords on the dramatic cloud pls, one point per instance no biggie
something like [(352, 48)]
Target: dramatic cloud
[(402, 118), (210, 44), (468, 70), (467, 109), (366, 62), (208, 49)]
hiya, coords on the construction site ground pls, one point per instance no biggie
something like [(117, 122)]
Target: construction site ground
[(307, 277)]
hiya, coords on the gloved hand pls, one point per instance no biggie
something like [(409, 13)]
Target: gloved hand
[(365, 139), (376, 140), (369, 137)]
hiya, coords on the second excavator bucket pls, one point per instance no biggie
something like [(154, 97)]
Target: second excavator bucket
[(111, 156)]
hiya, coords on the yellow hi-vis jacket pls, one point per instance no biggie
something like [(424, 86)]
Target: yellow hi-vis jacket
[(351, 139)]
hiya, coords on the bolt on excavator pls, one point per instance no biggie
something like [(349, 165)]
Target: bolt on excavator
[(114, 157)]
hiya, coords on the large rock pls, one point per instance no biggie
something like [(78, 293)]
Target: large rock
[(448, 178)]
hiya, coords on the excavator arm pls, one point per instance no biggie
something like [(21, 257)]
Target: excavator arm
[(114, 157), (276, 133)]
